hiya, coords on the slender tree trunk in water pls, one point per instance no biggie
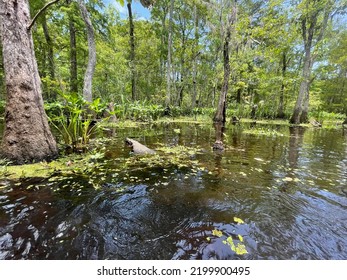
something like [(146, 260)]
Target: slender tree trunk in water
[(73, 54), (183, 71), (88, 77), (280, 113), (132, 52), (220, 115), (51, 66), (27, 136), (168, 92), (195, 62), (303, 91)]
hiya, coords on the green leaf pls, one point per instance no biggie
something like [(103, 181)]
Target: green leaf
[(120, 2), (217, 233), (239, 248), (238, 220)]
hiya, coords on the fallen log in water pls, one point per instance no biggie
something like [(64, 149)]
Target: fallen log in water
[(138, 148)]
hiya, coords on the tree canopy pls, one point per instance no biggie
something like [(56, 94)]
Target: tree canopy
[(175, 58)]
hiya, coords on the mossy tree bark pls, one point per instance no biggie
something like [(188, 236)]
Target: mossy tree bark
[(27, 136)]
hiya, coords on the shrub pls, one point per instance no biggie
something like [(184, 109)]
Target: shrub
[(75, 120)]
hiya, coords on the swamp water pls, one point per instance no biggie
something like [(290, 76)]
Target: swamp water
[(273, 196)]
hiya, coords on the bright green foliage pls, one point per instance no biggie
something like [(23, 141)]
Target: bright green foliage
[(217, 233), (238, 220), (266, 57), (75, 120), (239, 248)]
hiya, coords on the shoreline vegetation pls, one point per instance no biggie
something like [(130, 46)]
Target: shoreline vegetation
[(85, 162)]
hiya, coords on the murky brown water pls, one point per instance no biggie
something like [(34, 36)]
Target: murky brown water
[(290, 191)]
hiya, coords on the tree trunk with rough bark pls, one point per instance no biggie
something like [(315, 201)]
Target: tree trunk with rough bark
[(27, 136), (88, 77)]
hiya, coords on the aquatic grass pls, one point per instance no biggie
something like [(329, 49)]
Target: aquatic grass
[(261, 131), (199, 119), (123, 124), (266, 121), (72, 164), (323, 116)]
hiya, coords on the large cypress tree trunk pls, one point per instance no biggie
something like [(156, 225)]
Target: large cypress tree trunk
[(27, 136)]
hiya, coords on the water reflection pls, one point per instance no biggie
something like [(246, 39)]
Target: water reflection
[(289, 191)]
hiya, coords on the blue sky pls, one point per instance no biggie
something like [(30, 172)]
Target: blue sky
[(138, 10)]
